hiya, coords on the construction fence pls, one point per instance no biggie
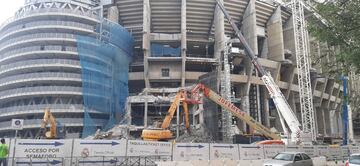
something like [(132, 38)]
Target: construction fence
[(74, 152)]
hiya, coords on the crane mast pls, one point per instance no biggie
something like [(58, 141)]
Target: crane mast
[(275, 93), (303, 65)]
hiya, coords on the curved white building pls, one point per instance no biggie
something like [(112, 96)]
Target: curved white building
[(40, 65)]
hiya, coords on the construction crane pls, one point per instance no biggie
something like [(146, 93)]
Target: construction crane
[(227, 105), (48, 118), (164, 133), (303, 65), (283, 107)]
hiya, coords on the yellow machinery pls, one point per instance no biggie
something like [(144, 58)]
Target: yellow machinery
[(164, 133), (48, 118)]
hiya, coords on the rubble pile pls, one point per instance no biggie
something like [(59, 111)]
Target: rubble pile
[(196, 136)]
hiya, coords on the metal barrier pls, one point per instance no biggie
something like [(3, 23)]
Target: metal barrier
[(83, 152), (90, 161)]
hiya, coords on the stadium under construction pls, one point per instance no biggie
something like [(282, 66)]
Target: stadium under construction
[(100, 63)]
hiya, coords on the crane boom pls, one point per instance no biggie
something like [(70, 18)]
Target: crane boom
[(235, 111), (280, 102)]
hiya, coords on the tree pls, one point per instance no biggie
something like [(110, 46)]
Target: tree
[(341, 28)]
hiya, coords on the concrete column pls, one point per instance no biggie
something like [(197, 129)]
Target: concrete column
[(328, 120), (128, 113), (183, 41), (289, 77), (323, 90), (340, 123), (289, 44), (146, 40), (275, 37), (320, 120), (266, 110), (219, 44), (219, 35), (332, 123), (219, 48), (249, 31), (113, 14), (289, 39), (146, 109)]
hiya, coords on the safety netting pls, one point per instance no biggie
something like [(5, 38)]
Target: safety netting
[(104, 61)]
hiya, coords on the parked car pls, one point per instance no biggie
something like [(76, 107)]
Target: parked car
[(354, 160), (290, 159)]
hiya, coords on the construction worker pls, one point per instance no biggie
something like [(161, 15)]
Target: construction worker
[(4, 151)]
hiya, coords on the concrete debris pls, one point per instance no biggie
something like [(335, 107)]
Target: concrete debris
[(235, 130), (117, 132), (196, 136)]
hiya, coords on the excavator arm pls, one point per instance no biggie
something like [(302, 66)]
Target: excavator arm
[(49, 118), (180, 96), (164, 133), (210, 94)]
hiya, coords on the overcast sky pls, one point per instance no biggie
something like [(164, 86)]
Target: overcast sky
[(8, 9)]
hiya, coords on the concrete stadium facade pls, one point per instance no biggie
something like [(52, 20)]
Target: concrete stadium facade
[(198, 28)]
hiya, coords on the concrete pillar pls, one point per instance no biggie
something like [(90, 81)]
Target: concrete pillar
[(219, 48), (266, 110), (289, 77), (128, 113), (289, 39), (332, 122), (146, 40), (320, 120), (249, 30), (113, 14), (328, 120), (275, 37), (183, 41), (146, 109), (340, 123), (219, 35), (219, 44)]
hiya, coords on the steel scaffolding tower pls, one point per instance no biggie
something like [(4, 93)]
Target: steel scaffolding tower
[(303, 64)]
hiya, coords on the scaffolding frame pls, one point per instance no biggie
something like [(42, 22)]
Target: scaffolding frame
[(303, 65)]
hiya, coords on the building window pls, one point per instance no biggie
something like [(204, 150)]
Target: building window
[(42, 47), (165, 72)]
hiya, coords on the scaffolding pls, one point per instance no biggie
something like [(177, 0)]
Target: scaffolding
[(104, 61), (303, 65)]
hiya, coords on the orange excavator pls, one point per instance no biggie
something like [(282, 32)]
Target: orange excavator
[(163, 133), (48, 118)]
